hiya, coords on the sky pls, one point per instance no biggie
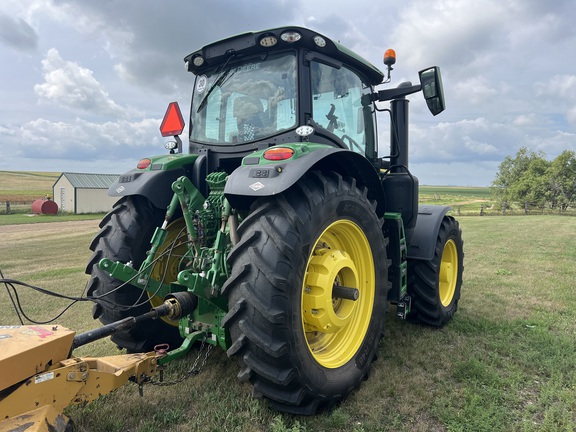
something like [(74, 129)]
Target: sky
[(84, 84)]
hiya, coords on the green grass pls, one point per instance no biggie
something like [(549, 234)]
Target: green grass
[(504, 363), (473, 192), (18, 186), (20, 218)]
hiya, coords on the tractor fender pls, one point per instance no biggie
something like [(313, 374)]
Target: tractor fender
[(423, 241), (250, 182), (155, 182)]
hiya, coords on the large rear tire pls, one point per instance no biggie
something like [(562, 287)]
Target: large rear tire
[(302, 346), (435, 285), (125, 234)]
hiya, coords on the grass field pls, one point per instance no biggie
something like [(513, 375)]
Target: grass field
[(505, 362), (23, 186), (466, 199)]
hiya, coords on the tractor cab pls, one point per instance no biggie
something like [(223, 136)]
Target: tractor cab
[(255, 90)]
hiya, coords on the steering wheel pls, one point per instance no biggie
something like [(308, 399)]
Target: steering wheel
[(353, 142)]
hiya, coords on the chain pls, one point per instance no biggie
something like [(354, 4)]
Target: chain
[(194, 370)]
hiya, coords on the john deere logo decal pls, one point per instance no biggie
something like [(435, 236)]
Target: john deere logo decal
[(257, 186)]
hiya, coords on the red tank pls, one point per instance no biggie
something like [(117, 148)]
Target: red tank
[(41, 206)]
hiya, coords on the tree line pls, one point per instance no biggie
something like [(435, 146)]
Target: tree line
[(531, 179)]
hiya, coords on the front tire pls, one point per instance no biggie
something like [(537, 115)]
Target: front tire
[(301, 346), (125, 234), (435, 285)]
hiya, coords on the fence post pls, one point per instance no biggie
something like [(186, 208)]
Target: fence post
[(481, 209), (503, 208), (458, 210), (525, 207), (8, 211)]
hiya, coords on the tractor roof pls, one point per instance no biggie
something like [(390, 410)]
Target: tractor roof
[(271, 40)]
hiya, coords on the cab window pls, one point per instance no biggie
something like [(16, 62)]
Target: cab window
[(338, 106)]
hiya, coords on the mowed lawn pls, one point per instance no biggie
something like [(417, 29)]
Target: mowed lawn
[(505, 363)]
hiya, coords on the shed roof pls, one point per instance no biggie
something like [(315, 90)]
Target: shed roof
[(89, 181)]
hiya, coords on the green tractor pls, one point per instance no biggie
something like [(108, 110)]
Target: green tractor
[(282, 236)]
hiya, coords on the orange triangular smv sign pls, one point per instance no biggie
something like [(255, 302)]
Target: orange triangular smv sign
[(173, 123)]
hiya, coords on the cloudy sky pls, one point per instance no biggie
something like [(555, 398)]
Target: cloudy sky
[(84, 84)]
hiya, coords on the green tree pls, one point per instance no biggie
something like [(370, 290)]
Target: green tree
[(561, 180), (522, 178), (532, 186)]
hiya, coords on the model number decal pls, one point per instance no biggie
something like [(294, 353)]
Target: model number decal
[(260, 173), (44, 377)]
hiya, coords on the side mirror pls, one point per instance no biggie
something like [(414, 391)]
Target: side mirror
[(431, 82)]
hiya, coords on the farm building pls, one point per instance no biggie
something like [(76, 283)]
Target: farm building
[(84, 193)]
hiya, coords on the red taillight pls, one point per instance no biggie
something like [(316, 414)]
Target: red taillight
[(173, 123), (144, 163), (278, 153)]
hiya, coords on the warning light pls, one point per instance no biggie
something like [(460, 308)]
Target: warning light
[(389, 57), (389, 60), (173, 123)]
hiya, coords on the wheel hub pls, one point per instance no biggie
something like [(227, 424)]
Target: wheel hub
[(324, 312), (448, 273), (335, 326)]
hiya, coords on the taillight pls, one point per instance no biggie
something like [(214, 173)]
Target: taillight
[(278, 153), (144, 163)]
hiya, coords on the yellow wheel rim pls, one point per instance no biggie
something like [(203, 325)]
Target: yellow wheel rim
[(167, 267), (334, 327), (448, 273)]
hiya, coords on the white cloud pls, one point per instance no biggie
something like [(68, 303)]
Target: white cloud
[(557, 95), (524, 120), (82, 140), (72, 86), (475, 173), (553, 143), (475, 90), (563, 86), (449, 32), (478, 139)]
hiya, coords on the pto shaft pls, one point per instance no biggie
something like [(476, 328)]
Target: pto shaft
[(174, 307)]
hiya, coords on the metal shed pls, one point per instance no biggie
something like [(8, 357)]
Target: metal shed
[(83, 192)]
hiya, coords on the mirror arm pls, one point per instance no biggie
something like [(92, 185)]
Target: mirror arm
[(395, 93)]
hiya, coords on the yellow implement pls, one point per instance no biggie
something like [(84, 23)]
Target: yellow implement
[(39, 378)]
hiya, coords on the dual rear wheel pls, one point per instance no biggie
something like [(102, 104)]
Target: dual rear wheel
[(435, 285)]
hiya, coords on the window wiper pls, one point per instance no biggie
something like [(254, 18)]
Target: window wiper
[(224, 76)]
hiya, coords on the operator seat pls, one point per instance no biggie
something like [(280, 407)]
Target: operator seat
[(248, 111)]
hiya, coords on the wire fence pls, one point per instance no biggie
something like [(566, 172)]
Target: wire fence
[(511, 210), (13, 207)]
